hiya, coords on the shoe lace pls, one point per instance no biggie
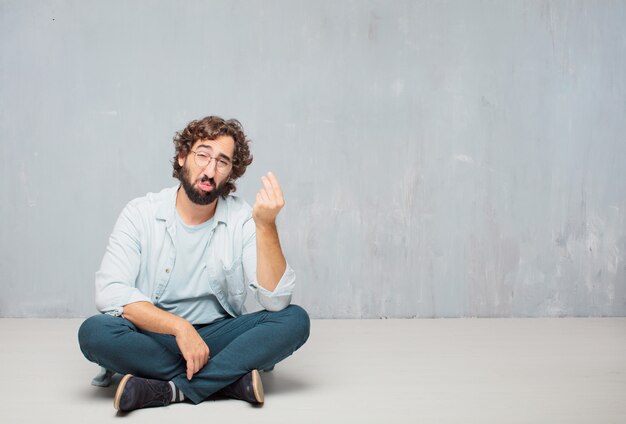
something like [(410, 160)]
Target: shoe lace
[(161, 392)]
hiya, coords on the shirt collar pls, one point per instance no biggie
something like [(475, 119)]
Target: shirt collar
[(221, 211), (167, 206)]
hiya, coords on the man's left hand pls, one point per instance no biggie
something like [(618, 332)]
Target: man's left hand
[(269, 201)]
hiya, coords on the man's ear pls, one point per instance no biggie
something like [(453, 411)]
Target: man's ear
[(181, 159)]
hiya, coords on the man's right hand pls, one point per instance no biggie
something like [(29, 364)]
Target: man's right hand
[(194, 349), (148, 317)]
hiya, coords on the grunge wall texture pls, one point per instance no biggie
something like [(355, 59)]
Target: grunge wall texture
[(439, 158)]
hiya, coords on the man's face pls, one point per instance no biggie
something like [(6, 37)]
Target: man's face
[(204, 184)]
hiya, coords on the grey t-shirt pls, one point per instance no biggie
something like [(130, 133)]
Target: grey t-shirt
[(188, 293)]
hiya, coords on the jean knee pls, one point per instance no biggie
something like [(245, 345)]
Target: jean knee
[(86, 333), (92, 333), (299, 319)]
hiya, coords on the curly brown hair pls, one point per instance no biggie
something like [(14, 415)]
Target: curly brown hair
[(209, 128)]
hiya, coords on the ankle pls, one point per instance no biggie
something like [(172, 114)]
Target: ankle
[(177, 394)]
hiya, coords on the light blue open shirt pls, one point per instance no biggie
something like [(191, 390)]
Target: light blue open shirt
[(141, 254)]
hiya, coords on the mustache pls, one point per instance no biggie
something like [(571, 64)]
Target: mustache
[(205, 179)]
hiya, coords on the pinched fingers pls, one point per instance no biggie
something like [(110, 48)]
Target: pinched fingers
[(270, 194), (263, 197), (269, 200), (275, 185), (272, 191)]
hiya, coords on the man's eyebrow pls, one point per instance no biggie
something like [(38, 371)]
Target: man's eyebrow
[(221, 155)]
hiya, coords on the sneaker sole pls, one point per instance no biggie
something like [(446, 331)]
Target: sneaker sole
[(120, 391), (257, 386)]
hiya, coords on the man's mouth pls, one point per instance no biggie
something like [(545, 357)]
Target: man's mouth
[(206, 185)]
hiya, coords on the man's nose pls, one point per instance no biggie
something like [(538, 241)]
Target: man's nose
[(209, 169)]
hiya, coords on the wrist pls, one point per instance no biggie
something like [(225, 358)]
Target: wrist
[(180, 327), (265, 226)]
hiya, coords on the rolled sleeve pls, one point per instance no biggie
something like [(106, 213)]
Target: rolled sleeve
[(280, 298)]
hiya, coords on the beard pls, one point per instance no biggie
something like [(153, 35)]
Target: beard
[(197, 196)]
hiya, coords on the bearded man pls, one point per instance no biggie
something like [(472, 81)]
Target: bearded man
[(173, 281)]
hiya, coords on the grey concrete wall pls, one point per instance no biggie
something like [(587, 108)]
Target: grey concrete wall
[(439, 158)]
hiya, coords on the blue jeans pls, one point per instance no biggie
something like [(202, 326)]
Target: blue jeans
[(237, 346)]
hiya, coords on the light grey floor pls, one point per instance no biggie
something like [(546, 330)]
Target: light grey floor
[(365, 371)]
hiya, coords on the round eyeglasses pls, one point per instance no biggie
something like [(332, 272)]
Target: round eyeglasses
[(203, 159)]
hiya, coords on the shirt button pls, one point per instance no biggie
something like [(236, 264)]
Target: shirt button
[(167, 270)]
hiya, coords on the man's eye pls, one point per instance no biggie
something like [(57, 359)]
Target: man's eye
[(222, 162), (203, 155)]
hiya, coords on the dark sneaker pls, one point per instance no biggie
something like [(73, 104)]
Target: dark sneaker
[(248, 388), (134, 393)]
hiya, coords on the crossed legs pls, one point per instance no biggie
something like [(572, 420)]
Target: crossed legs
[(237, 346)]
